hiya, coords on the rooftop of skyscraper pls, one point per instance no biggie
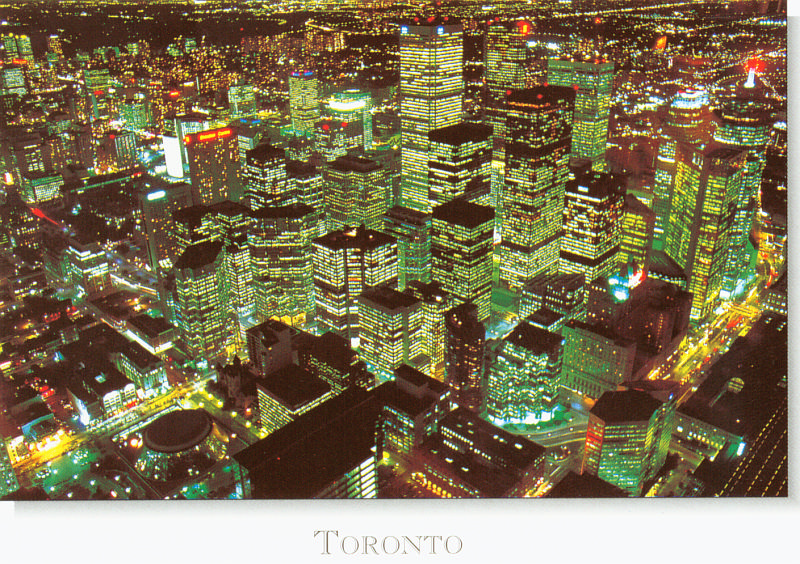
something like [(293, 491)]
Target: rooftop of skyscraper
[(534, 339), (464, 213), (539, 96), (599, 185), (355, 238), (387, 298), (199, 255), (624, 406), (460, 133), (293, 386), (352, 163)]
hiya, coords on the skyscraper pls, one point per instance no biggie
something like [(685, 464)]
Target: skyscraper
[(592, 225), (683, 123), (745, 122), (505, 58), (390, 331), (353, 106), (158, 200), (459, 163), (412, 229), (522, 382), (431, 91), (435, 303), (628, 438), (708, 181), (461, 252), (356, 192), (242, 100), (304, 101), (537, 169), (266, 180), (638, 226), (464, 347), (282, 268), (213, 165), (199, 311), (346, 262), (592, 80)]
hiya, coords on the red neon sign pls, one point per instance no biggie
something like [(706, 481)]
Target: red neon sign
[(174, 94), (209, 135), (524, 27), (19, 61), (98, 92)]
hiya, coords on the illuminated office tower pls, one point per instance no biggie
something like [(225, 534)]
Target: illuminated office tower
[(459, 163), (353, 106), (347, 262), (390, 331), (135, 112), (435, 303), (593, 207), (412, 229), (213, 165), (638, 226), (158, 200), (265, 177), (225, 221), (505, 58), (242, 100), (88, 267), (461, 253), (185, 124), (307, 184), (356, 192), (522, 382), (8, 478), (595, 359), (334, 138), (592, 81), (684, 123), (708, 181), (54, 45), (41, 188), (12, 80), (627, 439), (431, 92), (536, 172), (199, 310), (124, 148), (304, 101), (465, 342), (563, 294), (280, 246), (745, 122)]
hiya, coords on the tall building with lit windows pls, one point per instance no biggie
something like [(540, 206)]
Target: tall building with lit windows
[(459, 163), (684, 123), (356, 192), (87, 266), (158, 200), (390, 331), (628, 438), (522, 382), (353, 106), (465, 342), (199, 310), (304, 101), (537, 169), (593, 207), (242, 99), (431, 92), (745, 122), (708, 181), (461, 252), (347, 262), (592, 80), (637, 229), (307, 185), (282, 269), (265, 177), (435, 304), (505, 59), (8, 478), (213, 165), (412, 229)]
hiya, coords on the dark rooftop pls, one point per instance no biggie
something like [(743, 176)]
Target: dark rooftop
[(584, 486), (199, 255), (461, 133), (264, 152), (534, 339), (178, 431), (598, 185), (150, 326), (464, 213), (290, 211), (540, 96), (636, 206), (351, 163), (294, 387), (388, 298), (628, 405), (355, 238)]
